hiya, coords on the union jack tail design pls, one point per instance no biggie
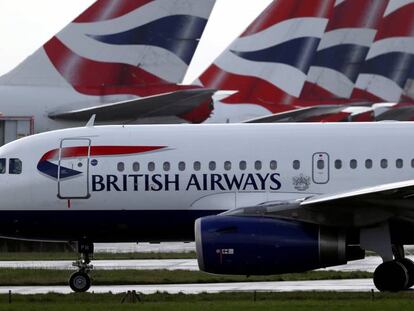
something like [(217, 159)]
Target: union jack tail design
[(390, 60), (343, 49), (130, 47), (268, 64)]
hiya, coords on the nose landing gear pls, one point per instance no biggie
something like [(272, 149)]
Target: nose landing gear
[(80, 281)]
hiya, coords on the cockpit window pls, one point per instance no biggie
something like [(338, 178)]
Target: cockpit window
[(2, 166), (15, 166)]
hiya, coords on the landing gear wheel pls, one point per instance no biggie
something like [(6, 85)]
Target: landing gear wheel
[(391, 276), (80, 282), (409, 265)]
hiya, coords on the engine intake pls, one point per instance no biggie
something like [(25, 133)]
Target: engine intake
[(260, 246)]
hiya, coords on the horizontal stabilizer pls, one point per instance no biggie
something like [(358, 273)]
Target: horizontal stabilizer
[(167, 104), (310, 114), (298, 115), (404, 113)]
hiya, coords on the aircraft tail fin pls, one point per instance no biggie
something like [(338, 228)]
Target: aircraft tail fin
[(117, 46), (343, 49), (390, 60), (269, 62)]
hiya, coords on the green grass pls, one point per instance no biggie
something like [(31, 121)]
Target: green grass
[(24, 256), (23, 277), (212, 302)]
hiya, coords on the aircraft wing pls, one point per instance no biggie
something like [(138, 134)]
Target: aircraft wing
[(173, 103), (357, 208)]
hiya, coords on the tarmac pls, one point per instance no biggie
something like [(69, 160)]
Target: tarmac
[(356, 285), (368, 264)]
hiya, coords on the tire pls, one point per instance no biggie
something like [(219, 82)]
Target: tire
[(409, 265), (391, 276), (80, 282)]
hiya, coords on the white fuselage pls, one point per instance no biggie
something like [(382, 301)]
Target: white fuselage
[(199, 169)]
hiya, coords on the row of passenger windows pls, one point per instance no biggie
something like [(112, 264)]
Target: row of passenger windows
[(258, 165), (197, 166), (353, 164), (15, 166), (369, 164)]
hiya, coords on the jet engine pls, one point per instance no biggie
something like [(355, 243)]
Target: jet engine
[(261, 246)]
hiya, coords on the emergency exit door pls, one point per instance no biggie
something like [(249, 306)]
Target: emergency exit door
[(320, 169), (73, 171)]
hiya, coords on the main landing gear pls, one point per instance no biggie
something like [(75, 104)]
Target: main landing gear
[(80, 281), (395, 275)]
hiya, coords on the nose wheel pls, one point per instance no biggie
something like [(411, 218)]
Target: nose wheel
[(80, 281)]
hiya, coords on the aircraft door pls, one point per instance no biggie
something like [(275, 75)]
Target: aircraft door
[(73, 172), (320, 168)]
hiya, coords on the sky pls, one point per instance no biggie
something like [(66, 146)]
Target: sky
[(25, 25)]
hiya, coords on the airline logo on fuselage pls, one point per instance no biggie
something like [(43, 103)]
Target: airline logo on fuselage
[(195, 182), (49, 163)]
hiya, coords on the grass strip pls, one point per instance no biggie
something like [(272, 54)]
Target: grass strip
[(32, 277), (223, 301), (28, 256)]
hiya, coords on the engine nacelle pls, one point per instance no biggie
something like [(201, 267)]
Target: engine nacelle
[(261, 246)]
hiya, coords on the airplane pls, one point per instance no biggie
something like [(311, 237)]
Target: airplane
[(267, 65), (269, 198), (359, 48), (120, 60)]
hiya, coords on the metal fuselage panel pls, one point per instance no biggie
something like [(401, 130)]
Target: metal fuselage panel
[(143, 182)]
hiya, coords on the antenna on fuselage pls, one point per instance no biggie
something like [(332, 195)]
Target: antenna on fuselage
[(91, 122)]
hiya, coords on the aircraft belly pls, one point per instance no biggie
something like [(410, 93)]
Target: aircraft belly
[(103, 225)]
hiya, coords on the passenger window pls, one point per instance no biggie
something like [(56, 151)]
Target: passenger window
[(121, 166), (15, 166), (151, 166), (181, 166), (412, 163), (384, 163), (320, 164), (243, 165), (368, 163), (212, 166), (227, 165), (296, 164), (135, 167), (197, 166), (273, 165), (2, 166), (399, 163), (166, 166), (258, 165), (338, 164), (353, 164)]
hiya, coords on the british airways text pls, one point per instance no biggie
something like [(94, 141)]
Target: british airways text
[(173, 182)]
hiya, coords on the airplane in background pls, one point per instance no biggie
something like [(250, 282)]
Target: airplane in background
[(268, 63), (322, 61), (119, 60), (300, 190)]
